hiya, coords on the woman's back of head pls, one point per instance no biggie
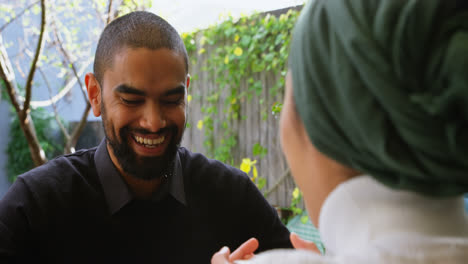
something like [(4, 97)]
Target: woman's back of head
[(382, 87)]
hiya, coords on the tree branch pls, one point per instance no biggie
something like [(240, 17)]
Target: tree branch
[(62, 92), (68, 61), (70, 146), (8, 76), (71, 142), (18, 16), (54, 107), (26, 123), (109, 12), (33, 65)]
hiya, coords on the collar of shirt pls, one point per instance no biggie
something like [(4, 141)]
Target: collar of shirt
[(116, 190)]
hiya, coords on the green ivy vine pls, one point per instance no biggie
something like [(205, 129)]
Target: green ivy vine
[(250, 45)]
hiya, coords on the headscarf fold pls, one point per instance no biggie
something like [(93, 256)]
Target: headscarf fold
[(382, 87)]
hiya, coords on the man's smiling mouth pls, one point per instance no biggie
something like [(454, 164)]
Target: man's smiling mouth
[(149, 142)]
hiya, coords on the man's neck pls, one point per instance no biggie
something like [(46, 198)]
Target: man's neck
[(142, 189)]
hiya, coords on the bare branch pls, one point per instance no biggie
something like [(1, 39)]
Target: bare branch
[(26, 123), (33, 65), (73, 138), (109, 12), (116, 14), (69, 62), (63, 92), (62, 127), (8, 76), (78, 129), (18, 16), (19, 69)]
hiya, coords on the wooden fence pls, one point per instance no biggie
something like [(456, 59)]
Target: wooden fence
[(256, 124)]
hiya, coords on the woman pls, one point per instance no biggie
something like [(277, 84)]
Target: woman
[(375, 131)]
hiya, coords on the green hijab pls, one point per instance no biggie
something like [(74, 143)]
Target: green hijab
[(382, 87)]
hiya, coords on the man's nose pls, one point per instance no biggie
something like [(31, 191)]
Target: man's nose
[(153, 118)]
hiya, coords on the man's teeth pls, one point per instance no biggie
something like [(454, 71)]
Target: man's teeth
[(148, 141)]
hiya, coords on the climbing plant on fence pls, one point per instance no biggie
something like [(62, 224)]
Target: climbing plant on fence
[(252, 44), (235, 53)]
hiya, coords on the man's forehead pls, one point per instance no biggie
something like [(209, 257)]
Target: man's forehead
[(126, 51), (132, 65)]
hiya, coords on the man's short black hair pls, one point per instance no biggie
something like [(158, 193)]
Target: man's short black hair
[(138, 29)]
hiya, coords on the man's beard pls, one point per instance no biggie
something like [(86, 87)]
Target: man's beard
[(146, 168)]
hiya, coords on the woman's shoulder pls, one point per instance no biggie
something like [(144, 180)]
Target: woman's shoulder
[(417, 250), (420, 249)]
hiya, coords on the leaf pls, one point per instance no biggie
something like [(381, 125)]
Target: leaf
[(245, 41), (276, 108), (261, 182), (258, 67), (258, 150)]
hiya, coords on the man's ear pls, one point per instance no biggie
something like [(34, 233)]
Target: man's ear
[(188, 82), (94, 93)]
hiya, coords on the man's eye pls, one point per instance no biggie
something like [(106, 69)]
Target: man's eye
[(176, 101), (131, 102)]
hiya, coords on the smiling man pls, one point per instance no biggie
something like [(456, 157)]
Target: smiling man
[(138, 197), (142, 102)]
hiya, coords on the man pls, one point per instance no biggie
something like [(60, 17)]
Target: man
[(138, 197)]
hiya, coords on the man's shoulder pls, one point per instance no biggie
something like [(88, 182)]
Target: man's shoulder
[(205, 175), (62, 170), (199, 164)]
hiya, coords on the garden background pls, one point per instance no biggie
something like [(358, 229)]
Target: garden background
[(237, 67)]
